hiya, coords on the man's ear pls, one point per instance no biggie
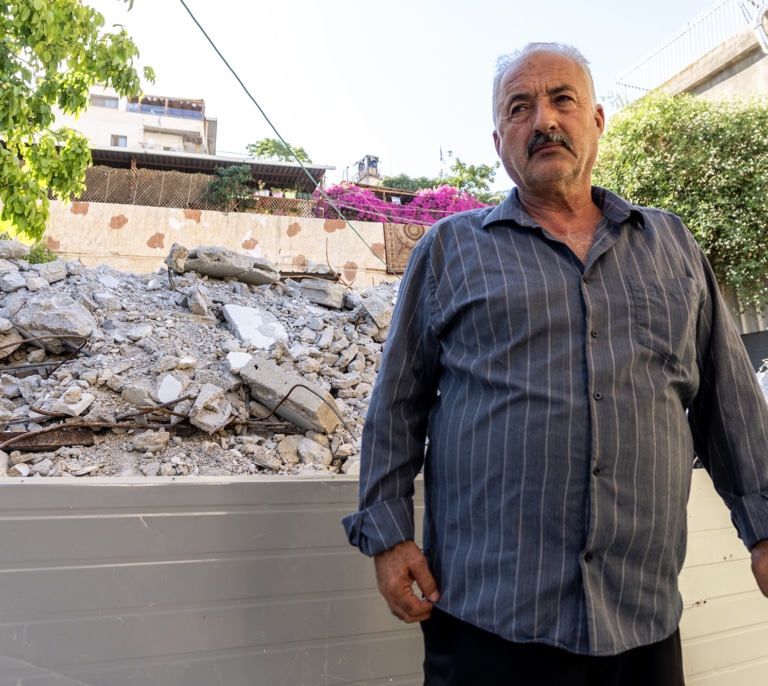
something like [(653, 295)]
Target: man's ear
[(496, 142), (600, 118)]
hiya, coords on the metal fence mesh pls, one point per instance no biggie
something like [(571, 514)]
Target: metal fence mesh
[(159, 188)]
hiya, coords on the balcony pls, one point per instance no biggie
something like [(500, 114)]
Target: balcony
[(168, 107)]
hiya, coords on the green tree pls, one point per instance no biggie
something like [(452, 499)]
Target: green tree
[(229, 189), (473, 179), (275, 149), (706, 161), (51, 53), (404, 182)]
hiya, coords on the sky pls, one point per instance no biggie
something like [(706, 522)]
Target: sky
[(400, 80)]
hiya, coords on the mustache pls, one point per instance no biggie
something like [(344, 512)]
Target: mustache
[(540, 138)]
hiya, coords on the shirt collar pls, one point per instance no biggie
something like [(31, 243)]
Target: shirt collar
[(614, 208)]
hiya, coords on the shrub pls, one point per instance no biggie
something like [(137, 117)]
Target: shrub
[(706, 161)]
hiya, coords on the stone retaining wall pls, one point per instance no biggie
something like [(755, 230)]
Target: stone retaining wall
[(137, 238)]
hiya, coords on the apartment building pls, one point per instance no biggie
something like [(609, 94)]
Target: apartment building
[(149, 122)]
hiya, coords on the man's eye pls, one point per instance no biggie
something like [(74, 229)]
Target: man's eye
[(516, 109)]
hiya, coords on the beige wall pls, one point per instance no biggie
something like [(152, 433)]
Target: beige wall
[(738, 67), (99, 124), (137, 238)]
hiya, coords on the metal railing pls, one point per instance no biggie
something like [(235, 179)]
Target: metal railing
[(160, 110), (709, 30)]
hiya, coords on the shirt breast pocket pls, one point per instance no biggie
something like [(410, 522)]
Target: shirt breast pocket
[(665, 315)]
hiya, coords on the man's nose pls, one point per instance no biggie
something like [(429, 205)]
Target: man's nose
[(545, 118)]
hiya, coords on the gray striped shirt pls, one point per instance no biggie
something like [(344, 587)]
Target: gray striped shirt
[(563, 404)]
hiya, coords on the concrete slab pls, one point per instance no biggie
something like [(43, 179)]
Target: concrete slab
[(309, 409)]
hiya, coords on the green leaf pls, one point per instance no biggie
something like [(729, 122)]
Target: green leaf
[(45, 35), (706, 161)]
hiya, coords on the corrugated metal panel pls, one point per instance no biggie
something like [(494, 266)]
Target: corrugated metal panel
[(112, 582), (200, 582)]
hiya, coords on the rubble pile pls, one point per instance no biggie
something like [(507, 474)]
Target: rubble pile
[(213, 367)]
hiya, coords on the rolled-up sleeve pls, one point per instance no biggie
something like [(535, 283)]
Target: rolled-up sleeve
[(393, 442), (729, 420)]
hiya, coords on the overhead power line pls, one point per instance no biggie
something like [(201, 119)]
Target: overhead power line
[(282, 140)]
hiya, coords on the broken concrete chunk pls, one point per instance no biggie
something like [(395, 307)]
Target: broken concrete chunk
[(311, 452), (325, 339), (196, 303), (53, 271), (177, 258), (347, 355), (151, 441), (137, 394), (258, 327), (35, 283), (222, 263), (169, 388), (309, 409), (351, 466), (9, 386), (322, 292), (11, 282), (211, 410), (36, 356), (109, 302), (73, 403), (54, 314), (13, 250), (7, 267), (225, 380), (9, 343), (288, 449), (237, 360), (378, 309), (140, 331)]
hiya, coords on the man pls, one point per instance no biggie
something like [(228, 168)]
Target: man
[(562, 356)]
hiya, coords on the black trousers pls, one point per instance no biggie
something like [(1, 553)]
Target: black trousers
[(459, 654)]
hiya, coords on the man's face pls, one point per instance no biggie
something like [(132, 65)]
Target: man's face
[(548, 126)]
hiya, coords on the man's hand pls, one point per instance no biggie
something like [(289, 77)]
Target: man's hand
[(396, 570), (760, 565)]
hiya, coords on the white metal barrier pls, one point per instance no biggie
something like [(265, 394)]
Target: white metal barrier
[(706, 32)]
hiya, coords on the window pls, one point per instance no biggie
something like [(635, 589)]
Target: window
[(119, 141), (104, 101)]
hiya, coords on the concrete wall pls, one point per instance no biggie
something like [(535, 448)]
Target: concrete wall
[(137, 238), (738, 67), (250, 582)]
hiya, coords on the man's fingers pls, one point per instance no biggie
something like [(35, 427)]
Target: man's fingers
[(425, 581), (396, 571)]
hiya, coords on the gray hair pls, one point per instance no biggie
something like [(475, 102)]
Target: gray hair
[(504, 63)]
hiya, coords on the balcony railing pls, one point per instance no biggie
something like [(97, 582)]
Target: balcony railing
[(160, 111), (709, 30)]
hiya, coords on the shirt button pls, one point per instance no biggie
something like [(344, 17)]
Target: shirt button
[(588, 557), (585, 279), (598, 395), (594, 333), (596, 471)]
